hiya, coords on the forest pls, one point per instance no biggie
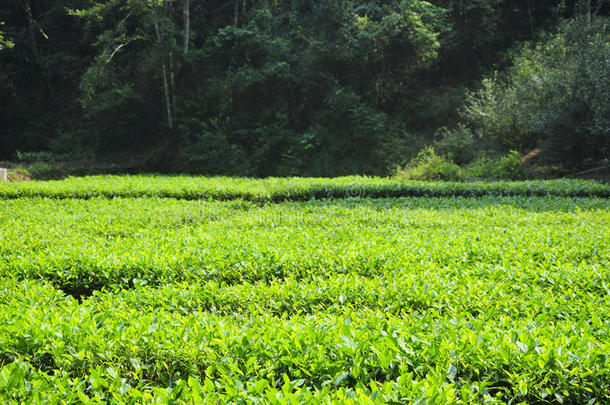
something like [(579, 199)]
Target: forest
[(306, 87)]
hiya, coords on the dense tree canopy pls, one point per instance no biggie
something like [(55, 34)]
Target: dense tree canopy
[(262, 87)]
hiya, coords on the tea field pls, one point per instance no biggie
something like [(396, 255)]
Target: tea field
[(352, 290)]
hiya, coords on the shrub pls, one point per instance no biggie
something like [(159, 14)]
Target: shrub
[(46, 171), (457, 144), (427, 165), (33, 157), (508, 167)]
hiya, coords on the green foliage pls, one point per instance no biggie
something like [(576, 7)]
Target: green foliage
[(205, 145), (33, 157), (46, 171), (509, 167), (309, 88), (555, 96), (287, 189), (4, 42), (492, 299), (500, 116), (427, 165), (39, 74), (42, 165), (292, 88), (457, 144)]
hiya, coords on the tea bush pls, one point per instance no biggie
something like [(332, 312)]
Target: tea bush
[(495, 299)]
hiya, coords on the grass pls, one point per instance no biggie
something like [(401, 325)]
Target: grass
[(453, 299)]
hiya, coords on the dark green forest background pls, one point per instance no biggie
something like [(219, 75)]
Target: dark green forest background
[(304, 87)]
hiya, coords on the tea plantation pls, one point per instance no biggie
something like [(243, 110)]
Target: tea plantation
[(351, 290)]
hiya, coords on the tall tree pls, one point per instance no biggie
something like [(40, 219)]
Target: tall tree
[(139, 45)]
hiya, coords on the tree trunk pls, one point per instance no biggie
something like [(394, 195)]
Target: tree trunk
[(31, 24), (235, 12), (166, 91), (187, 25), (172, 82), (168, 103)]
